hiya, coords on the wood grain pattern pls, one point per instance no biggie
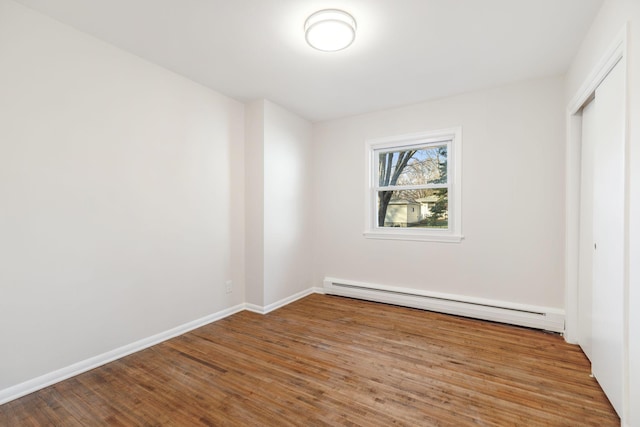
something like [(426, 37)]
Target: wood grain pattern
[(327, 360)]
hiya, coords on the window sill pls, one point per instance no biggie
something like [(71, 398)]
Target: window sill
[(420, 237)]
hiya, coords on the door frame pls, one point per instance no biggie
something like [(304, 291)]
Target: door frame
[(617, 52)]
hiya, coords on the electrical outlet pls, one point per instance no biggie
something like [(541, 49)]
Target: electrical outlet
[(228, 286)]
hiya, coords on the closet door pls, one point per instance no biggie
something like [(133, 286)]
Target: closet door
[(608, 237), (585, 262)]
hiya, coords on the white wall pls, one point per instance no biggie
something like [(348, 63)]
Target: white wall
[(613, 16), (121, 208), (254, 202), (512, 198), (279, 197), (287, 203)]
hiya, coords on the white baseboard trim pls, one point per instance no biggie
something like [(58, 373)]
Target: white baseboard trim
[(499, 311), (547, 318), (288, 300), (38, 383), (22, 389)]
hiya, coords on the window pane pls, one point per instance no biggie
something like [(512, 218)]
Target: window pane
[(414, 208), (413, 167)]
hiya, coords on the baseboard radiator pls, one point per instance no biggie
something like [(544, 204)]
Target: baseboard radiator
[(546, 318)]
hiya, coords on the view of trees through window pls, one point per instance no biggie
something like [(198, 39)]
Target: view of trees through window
[(413, 187)]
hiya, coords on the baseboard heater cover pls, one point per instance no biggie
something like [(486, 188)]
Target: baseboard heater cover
[(546, 318)]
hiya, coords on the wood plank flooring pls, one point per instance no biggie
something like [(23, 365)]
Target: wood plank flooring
[(333, 361)]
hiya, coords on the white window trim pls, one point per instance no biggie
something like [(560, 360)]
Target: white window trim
[(454, 233)]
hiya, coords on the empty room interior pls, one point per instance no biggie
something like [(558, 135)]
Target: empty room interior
[(348, 212)]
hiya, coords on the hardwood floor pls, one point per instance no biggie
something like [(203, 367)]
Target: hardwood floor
[(327, 360)]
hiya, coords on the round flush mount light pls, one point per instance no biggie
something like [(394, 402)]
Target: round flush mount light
[(330, 30)]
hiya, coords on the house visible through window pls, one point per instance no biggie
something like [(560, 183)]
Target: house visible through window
[(414, 187)]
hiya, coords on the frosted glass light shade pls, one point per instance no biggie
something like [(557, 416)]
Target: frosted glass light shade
[(330, 30)]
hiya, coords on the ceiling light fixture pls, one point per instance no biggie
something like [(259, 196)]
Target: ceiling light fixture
[(330, 30)]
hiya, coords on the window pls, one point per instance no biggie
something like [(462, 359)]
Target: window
[(413, 187)]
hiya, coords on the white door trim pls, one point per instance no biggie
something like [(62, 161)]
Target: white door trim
[(616, 52)]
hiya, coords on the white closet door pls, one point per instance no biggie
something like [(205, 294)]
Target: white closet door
[(608, 236), (585, 262)]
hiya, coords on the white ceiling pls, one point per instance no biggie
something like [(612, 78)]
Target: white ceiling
[(406, 51)]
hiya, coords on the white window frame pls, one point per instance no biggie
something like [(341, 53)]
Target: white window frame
[(452, 137)]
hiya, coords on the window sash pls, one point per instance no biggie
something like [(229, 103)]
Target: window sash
[(411, 187), (411, 145), (376, 188), (418, 145)]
